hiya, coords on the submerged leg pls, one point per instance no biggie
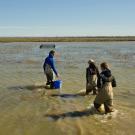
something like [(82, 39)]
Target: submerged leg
[(88, 88), (108, 106), (97, 106), (95, 92), (49, 78)]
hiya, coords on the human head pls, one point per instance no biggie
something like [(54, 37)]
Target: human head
[(104, 66), (52, 52), (90, 61)]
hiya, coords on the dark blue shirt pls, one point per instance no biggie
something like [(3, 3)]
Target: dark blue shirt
[(50, 61)]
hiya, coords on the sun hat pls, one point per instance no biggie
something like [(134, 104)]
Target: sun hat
[(91, 61)]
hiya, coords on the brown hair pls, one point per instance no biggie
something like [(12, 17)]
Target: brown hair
[(52, 52), (104, 65)]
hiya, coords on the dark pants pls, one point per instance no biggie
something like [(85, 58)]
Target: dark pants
[(49, 78)]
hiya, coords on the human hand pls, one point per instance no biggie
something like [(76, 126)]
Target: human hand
[(57, 75)]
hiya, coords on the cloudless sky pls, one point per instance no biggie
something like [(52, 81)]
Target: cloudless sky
[(67, 17)]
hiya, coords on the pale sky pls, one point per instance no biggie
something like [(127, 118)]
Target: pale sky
[(67, 17)]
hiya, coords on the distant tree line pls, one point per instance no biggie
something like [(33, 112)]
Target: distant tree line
[(67, 39)]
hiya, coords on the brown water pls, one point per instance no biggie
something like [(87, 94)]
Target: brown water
[(27, 108)]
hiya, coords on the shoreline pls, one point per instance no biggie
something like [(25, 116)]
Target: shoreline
[(67, 39)]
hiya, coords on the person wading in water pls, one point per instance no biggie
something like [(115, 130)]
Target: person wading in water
[(105, 84), (49, 68), (92, 74)]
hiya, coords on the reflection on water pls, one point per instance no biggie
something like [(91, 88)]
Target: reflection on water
[(28, 108)]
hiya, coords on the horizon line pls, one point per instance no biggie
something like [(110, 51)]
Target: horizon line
[(65, 36)]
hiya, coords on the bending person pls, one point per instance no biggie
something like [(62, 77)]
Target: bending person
[(49, 68)]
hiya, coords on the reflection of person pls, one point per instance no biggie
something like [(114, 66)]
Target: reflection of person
[(49, 68), (91, 77), (105, 83)]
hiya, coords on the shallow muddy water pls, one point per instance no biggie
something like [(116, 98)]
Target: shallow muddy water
[(27, 108)]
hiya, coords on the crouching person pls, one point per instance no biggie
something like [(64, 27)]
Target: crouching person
[(91, 77), (49, 69), (105, 84)]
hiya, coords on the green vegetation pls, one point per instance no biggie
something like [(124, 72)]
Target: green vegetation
[(67, 39)]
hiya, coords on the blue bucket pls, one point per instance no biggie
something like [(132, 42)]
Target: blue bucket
[(57, 84)]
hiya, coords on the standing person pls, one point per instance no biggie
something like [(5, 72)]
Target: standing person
[(91, 77), (49, 68), (105, 83)]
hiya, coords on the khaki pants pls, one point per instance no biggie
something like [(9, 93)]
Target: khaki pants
[(105, 96)]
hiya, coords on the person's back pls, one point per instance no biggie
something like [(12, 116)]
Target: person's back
[(105, 95), (106, 76)]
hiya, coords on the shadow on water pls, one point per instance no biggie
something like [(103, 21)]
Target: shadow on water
[(28, 87), (73, 114), (64, 95), (48, 92)]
